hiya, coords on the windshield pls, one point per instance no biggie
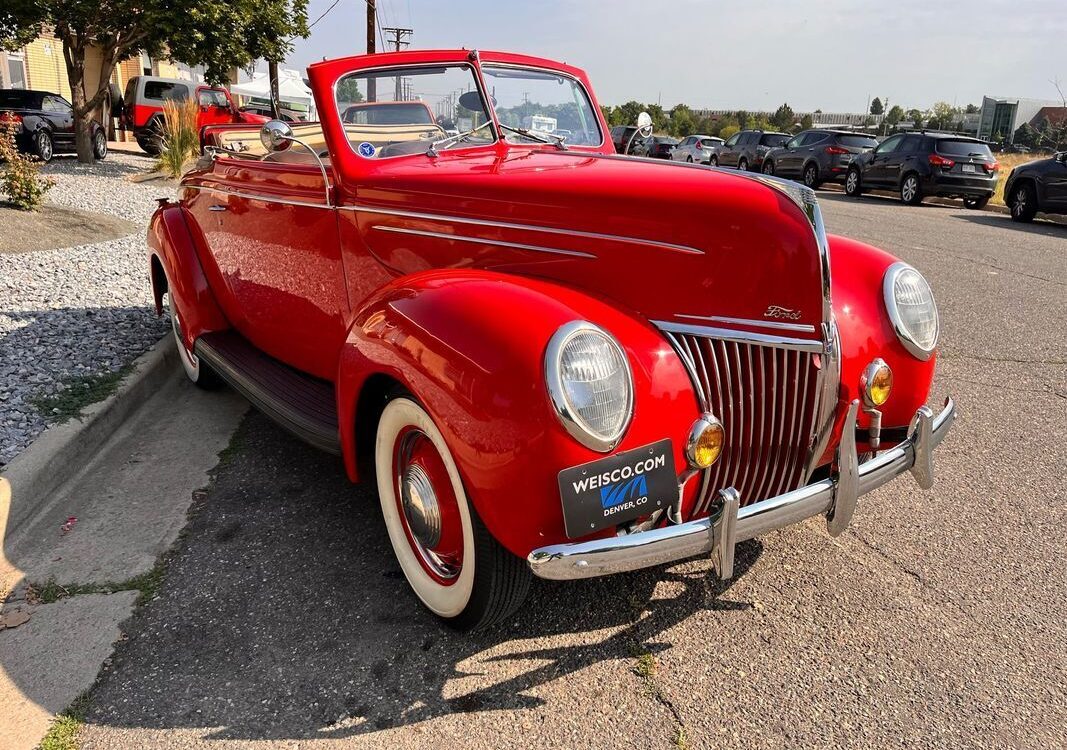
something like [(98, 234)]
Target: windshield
[(544, 103), (962, 148), (400, 111), (18, 99), (774, 140)]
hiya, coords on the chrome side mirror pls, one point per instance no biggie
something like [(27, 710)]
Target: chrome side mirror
[(644, 124), (276, 135)]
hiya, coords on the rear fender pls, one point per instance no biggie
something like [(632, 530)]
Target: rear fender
[(173, 250), (866, 332), (470, 346)]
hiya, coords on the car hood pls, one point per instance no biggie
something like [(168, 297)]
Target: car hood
[(675, 242)]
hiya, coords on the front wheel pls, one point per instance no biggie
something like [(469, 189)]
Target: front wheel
[(43, 146), (99, 145), (975, 203), (451, 561), (910, 190), (1023, 203), (852, 183), (742, 164), (768, 167)]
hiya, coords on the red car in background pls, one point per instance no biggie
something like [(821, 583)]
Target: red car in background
[(548, 359), (142, 107)]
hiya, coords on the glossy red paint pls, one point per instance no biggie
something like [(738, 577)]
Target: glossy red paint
[(137, 114), (449, 275)]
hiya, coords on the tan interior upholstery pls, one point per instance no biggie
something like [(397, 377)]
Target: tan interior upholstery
[(246, 141)]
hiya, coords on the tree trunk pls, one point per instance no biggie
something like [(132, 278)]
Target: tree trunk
[(272, 78), (83, 106)]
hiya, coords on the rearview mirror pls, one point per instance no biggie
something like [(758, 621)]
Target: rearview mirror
[(276, 135)]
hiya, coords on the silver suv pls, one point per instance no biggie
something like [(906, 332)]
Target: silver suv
[(696, 148)]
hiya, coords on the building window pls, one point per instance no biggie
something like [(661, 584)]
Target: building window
[(16, 71), (146, 64)]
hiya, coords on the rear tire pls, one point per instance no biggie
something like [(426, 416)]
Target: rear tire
[(198, 371), (151, 142), (910, 190), (1023, 203), (99, 145), (742, 164), (768, 167), (811, 176), (451, 561), (853, 188), (713, 161)]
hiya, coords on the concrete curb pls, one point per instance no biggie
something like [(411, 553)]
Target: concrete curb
[(61, 451)]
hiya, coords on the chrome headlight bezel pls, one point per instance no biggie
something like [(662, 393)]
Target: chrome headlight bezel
[(568, 415), (892, 309)]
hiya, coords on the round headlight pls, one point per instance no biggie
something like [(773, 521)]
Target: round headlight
[(590, 384), (910, 304)]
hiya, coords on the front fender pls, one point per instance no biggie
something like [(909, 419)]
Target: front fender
[(470, 346), (866, 332), (171, 244)]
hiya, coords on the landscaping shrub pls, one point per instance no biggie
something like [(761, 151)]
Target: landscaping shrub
[(20, 180), (180, 140)]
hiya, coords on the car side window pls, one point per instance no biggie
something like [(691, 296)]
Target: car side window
[(813, 138), (911, 144), (212, 98), (161, 90), (56, 105), (889, 145), (733, 139), (796, 141)]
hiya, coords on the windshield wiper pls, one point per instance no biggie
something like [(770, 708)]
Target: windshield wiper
[(539, 137), (457, 138)]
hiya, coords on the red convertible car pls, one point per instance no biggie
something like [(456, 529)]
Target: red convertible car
[(551, 359)]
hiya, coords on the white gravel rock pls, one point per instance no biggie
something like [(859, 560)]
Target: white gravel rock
[(76, 311)]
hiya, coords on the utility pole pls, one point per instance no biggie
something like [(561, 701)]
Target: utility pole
[(371, 16), (397, 40)]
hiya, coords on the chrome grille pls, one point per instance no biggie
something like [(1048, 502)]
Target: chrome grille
[(767, 399)]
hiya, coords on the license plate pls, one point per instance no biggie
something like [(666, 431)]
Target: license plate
[(969, 168), (618, 488)]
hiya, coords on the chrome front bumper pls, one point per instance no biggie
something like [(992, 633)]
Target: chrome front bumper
[(718, 534)]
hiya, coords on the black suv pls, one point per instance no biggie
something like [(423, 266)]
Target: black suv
[(1037, 186), (622, 137), (818, 156), (921, 164), (46, 123), (745, 150)]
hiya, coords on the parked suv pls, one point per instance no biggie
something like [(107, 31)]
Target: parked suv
[(622, 138), (696, 148), (745, 150), (46, 123), (142, 107), (1039, 185), (818, 156), (921, 164)]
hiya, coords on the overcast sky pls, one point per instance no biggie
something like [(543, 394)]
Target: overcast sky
[(744, 54)]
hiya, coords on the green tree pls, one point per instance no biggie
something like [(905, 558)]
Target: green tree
[(1026, 136), (348, 91), (972, 109), (218, 34), (806, 122), (943, 114), (728, 131), (784, 118), (627, 113), (682, 123), (916, 116), (894, 115), (877, 107)]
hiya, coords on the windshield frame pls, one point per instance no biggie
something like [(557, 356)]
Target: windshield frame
[(559, 74), (471, 65)]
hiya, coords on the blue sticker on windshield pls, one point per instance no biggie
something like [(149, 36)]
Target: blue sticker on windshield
[(366, 149)]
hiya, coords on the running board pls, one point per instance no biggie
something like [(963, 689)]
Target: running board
[(302, 404)]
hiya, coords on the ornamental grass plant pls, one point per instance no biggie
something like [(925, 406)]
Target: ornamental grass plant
[(179, 140)]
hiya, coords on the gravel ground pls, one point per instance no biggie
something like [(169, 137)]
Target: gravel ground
[(936, 621), (76, 311)]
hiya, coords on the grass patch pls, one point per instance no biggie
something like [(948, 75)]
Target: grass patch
[(681, 741), (63, 734), (78, 393), (147, 585), (646, 666), (1007, 163)]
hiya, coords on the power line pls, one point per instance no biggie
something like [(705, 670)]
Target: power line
[(323, 14)]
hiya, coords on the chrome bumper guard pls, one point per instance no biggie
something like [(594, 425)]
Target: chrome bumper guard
[(718, 534)]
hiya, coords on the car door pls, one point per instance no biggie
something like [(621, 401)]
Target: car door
[(728, 152), (679, 152), (214, 106), (1055, 178), (878, 169), (787, 161), (60, 114)]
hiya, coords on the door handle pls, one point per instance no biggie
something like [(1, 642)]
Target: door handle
[(217, 207)]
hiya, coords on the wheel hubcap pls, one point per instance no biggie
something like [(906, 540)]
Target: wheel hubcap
[(428, 506), (909, 189), (46, 146), (809, 177), (851, 181)]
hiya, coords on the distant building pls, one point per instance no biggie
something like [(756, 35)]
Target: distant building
[(1002, 116)]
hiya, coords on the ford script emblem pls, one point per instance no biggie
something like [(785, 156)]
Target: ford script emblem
[(775, 311)]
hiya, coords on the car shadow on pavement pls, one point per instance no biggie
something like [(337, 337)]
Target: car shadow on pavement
[(284, 615), (1002, 221)]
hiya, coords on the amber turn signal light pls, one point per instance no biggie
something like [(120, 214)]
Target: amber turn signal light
[(705, 442), (876, 383)]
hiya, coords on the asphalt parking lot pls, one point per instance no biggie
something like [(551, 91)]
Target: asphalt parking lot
[(938, 620)]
